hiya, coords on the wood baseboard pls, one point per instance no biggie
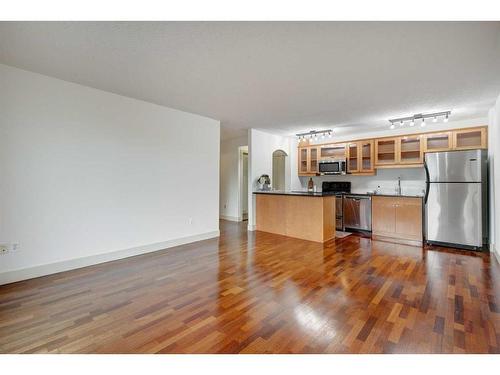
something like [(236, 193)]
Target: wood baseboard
[(397, 240)]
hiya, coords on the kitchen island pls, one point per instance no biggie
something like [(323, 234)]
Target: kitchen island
[(304, 215)]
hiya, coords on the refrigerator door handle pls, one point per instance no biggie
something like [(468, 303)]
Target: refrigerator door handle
[(427, 183)]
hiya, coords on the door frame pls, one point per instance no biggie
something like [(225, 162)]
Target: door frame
[(241, 151)]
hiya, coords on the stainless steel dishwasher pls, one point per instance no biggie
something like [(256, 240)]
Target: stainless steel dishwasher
[(358, 212)]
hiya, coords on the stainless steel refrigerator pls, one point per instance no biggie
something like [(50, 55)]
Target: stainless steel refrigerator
[(456, 199)]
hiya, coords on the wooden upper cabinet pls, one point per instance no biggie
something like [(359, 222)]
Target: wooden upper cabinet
[(386, 151), (437, 142), (303, 160), (469, 139), (367, 156), (308, 160), (360, 157), (333, 151), (411, 149), (353, 157)]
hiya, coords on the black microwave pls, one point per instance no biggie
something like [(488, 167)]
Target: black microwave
[(335, 166)]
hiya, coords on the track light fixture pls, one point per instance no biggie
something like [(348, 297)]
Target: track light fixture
[(420, 116), (314, 135)]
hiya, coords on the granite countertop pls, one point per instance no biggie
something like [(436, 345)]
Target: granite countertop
[(321, 194), (300, 193)]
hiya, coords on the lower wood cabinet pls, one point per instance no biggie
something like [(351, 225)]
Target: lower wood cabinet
[(397, 219)]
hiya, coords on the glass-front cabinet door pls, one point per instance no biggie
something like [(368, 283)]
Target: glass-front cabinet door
[(366, 164), (353, 157), (437, 142), (410, 150), (303, 162), (308, 160), (313, 160), (469, 139), (386, 151)]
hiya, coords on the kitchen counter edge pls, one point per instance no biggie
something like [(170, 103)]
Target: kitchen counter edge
[(321, 194)]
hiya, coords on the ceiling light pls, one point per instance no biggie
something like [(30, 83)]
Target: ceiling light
[(392, 126), (314, 135), (420, 116)]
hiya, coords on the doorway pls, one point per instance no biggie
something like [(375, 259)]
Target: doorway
[(278, 181), (243, 178)]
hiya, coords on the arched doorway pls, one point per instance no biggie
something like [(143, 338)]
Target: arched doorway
[(278, 181)]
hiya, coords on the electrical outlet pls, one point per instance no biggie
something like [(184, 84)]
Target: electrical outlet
[(15, 247), (4, 249)]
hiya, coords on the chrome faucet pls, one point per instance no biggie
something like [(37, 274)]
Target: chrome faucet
[(398, 188)]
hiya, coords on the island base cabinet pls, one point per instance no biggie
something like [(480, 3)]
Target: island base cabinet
[(307, 218), (397, 219)]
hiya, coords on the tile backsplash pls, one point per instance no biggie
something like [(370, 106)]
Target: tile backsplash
[(412, 181)]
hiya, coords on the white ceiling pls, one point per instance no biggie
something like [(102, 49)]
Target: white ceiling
[(284, 76)]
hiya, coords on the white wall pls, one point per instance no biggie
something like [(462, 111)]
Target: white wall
[(229, 177), (494, 158), (260, 151), (85, 173)]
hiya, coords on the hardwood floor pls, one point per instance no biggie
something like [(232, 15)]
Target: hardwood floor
[(262, 293)]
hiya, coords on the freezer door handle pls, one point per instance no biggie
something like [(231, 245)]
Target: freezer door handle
[(427, 183)]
